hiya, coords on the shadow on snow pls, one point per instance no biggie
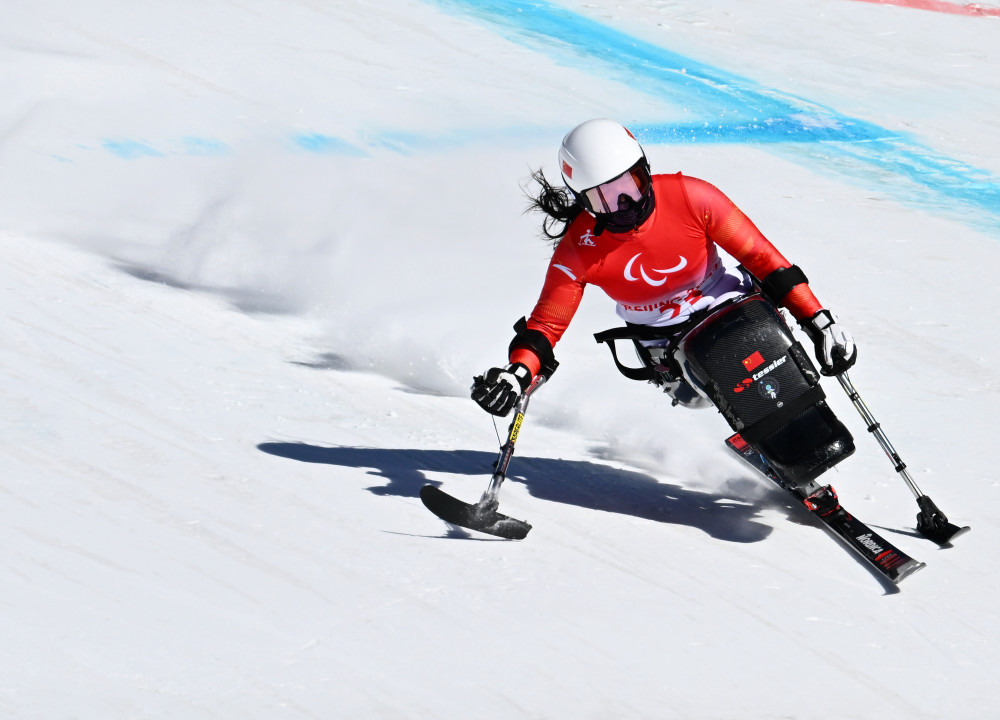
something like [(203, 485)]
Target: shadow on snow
[(584, 484)]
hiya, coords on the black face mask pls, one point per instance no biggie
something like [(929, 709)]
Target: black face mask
[(629, 215)]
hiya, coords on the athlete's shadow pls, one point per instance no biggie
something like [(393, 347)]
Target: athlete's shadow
[(585, 484)]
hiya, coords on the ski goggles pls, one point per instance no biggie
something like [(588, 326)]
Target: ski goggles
[(634, 183)]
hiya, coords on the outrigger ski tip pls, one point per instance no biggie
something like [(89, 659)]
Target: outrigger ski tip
[(482, 517), (931, 522), (934, 525)]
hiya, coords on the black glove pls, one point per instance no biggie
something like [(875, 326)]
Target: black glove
[(835, 348), (498, 389)]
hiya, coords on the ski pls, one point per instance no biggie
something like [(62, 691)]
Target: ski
[(881, 556), (482, 517)]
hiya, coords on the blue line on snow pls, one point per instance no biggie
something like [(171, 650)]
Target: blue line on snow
[(735, 109), (130, 149), (326, 145), (209, 147)]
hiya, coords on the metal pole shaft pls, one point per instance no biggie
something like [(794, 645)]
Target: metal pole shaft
[(876, 429), (507, 451)]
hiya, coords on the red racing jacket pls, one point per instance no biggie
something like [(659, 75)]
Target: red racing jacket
[(657, 273)]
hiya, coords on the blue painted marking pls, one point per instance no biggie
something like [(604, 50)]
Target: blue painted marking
[(406, 143), (209, 147), (704, 91), (730, 108), (128, 149), (792, 128), (131, 149), (326, 145)]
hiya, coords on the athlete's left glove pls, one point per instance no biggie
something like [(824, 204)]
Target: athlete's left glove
[(835, 347), (498, 389)]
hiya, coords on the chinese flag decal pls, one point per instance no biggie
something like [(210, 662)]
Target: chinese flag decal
[(753, 362), (567, 170)]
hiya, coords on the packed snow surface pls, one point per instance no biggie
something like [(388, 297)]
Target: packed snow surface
[(253, 253)]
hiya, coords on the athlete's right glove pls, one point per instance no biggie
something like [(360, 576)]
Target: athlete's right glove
[(497, 390), (835, 347)]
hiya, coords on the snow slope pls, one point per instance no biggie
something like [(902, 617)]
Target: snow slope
[(253, 253)]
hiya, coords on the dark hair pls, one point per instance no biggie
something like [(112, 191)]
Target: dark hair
[(559, 205)]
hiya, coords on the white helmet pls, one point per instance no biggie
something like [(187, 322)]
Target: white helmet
[(605, 167), (597, 151)]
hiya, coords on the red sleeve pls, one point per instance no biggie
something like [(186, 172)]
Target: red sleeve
[(734, 232), (557, 304)]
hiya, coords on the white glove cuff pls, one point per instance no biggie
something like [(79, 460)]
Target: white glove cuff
[(521, 372)]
